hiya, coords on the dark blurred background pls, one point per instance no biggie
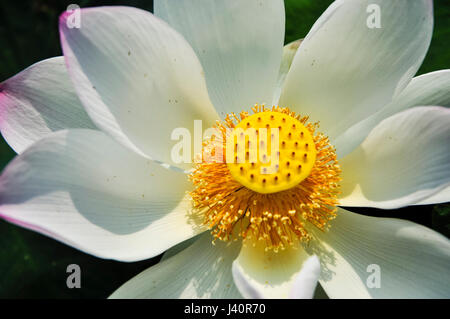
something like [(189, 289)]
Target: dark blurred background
[(34, 266)]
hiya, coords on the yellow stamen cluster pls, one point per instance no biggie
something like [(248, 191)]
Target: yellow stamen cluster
[(278, 218)]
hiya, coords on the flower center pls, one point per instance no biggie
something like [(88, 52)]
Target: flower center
[(266, 193), (272, 152)]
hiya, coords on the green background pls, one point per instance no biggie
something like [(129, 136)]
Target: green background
[(34, 266)]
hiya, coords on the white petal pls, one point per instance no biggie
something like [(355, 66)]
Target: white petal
[(289, 52), (302, 288), (137, 77), (247, 288), (260, 274), (306, 281), (427, 89), (201, 271), (404, 160), (412, 260), (239, 44), (345, 71), (442, 196), (86, 190), (179, 248), (38, 101)]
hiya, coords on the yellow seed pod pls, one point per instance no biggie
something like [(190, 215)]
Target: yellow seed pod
[(269, 152)]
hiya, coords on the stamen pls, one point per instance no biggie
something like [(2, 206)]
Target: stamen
[(252, 209)]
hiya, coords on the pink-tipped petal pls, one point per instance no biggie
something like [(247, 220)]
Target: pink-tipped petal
[(38, 101), (83, 188), (137, 78)]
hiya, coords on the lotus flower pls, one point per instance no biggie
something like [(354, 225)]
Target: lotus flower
[(93, 131)]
